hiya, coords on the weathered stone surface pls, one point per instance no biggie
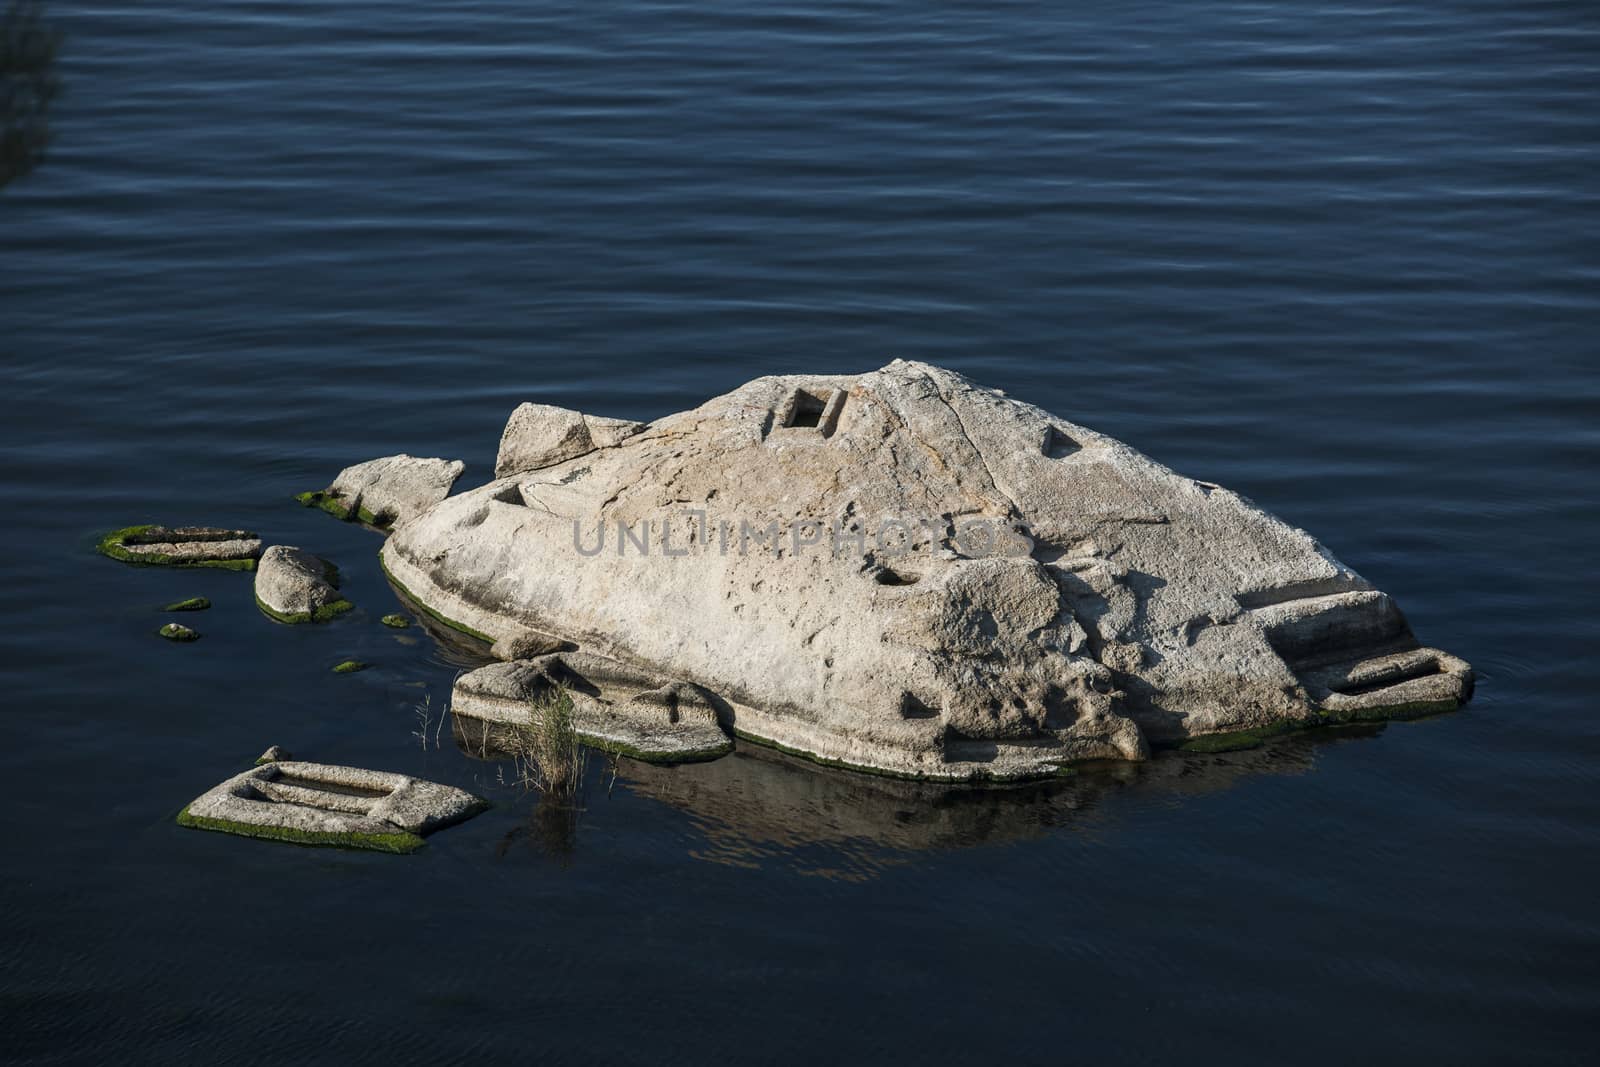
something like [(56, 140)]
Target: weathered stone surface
[(173, 631), (1067, 598), (273, 754), (614, 708), (320, 804), (183, 546), (294, 586), (389, 491), (540, 435), (525, 645)]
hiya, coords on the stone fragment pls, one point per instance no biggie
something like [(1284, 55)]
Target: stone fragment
[(183, 546), (541, 435), (389, 491), (634, 715), (320, 804), (293, 586)]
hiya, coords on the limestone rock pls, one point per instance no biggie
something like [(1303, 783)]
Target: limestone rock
[(905, 572), (389, 491), (540, 435), (294, 586), (183, 546), (616, 709), (273, 754), (319, 804)]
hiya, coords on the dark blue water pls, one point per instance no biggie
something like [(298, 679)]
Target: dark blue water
[(1340, 257)]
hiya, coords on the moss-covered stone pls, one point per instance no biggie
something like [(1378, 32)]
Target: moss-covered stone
[(397, 622), (326, 501), (398, 842), (350, 666), (114, 545), (175, 632), (194, 603), (326, 612)]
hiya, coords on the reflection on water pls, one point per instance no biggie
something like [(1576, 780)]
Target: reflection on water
[(551, 827), (758, 805), (758, 801), (28, 84)]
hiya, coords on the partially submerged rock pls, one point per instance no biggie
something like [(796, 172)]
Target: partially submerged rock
[(622, 711), (904, 572), (194, 603), (173, 631), (396, 621), (540, 435), (388, 491), (350, 666), (294, 586), (320, 804), (183, 546), (273, 754)]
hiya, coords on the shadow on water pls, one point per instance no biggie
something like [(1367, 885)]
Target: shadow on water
[(28, 84)]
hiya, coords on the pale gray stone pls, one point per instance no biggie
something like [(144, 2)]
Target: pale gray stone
[(541, 435), (321, 803), (613, 707), (294, 586), (525, 645), (395, 489), (1141, 606)]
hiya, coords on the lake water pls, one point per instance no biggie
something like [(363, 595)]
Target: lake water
[(1339, 257)]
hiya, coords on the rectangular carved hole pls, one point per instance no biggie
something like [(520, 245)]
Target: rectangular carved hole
[(805, 410)]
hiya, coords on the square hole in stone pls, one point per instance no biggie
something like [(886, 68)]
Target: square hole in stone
[(805, 410)]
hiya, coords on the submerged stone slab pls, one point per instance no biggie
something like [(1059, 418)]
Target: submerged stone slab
[(183, 546), (293, 586), (902, 571), (389, 491), (621, 711), (321, 804)]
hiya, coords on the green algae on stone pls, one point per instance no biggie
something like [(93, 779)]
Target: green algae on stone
[(398, 842), (396, 621), (350, 666), (175, 632), (433, 614), (331, 610), (115, 546), (194, 603), (326, 501)]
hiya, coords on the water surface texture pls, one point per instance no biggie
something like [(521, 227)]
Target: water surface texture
[(1339, 257)]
